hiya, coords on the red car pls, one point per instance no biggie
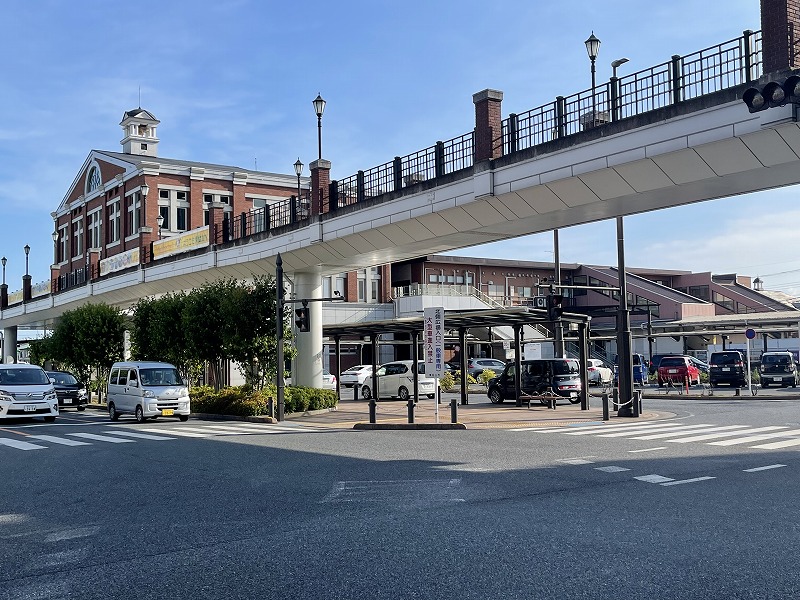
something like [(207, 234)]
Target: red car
[(677, 369)]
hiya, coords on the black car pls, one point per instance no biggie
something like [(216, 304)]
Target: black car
[(727, 366), (560, 376), (69, 390)]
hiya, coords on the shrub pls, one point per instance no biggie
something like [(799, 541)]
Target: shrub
[(244, 401), (447, 382), (486, 375)]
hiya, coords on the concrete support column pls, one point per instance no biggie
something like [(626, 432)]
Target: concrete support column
[(320, 181), (488, 125), (9, 344), (307, 368)]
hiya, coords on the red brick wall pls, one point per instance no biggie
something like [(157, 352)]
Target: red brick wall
[(488, 127), (776, 16)]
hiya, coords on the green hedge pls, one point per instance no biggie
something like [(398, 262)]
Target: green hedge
[(243, 401)]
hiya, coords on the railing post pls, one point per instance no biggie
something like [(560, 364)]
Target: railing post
[(438, 157), (333, 192), (746, 59), (293, 209), (397, 169), (613, 85), (677, 84), (226, 228), (243, 225), (513, 129), (561, 110), (360, 194), (267, 226)]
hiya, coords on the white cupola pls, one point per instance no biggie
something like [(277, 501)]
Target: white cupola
[(139, 133)]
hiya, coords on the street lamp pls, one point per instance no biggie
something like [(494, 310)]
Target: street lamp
[(4, 260), (160, 222), (617, 63), (592, 49), (319, 108), (27, 252), (145, 190), (298, 169), (54, 235)]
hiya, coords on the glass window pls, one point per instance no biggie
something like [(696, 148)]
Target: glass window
[(163, 211), (180, 224)]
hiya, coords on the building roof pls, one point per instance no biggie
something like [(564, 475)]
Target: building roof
[(138, 161)]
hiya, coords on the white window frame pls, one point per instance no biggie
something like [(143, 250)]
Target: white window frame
[(77, 235), (113, 220), (95, 228)]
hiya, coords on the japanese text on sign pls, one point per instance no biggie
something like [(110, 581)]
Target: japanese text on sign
[(433, 340)]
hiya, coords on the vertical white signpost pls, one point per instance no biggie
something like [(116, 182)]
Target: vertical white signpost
[(433, 347)]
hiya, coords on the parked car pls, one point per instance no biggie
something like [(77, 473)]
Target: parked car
[(476, 366), (676, 369), (727, 366), (654, 362), (598, 372), (147, 390), (778, 368), (69, 390), (328, 380), (701, 366), (356, 375), (26, 391), (639, 369), (396, 379), (558, 375)]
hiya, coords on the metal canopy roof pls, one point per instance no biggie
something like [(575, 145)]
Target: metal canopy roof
[(518, 315)]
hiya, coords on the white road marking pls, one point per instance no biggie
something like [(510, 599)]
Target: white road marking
[(59, 440), (683, 431), (648, 449), (100, 438), (20, 445), (654, 478), (763, 468), (611, 469), (682, 481), (756, 438), (776, 445), (576, 461), (634, 429), (143, 436), (179, 432), (711, 436)]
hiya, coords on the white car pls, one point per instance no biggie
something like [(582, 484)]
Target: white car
[(328, 380), (598, 373), (356, 375), (396, 379), (26, 391)]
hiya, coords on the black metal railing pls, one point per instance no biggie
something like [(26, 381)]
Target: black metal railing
[(73, 279)]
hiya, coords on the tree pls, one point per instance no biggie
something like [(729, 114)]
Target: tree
[(203, 324)]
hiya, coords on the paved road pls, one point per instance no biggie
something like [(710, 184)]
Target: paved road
[(688, 506)]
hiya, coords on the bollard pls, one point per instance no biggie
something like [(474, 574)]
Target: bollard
[(271, 407), (639, 394), (552, 403), (686, 384), (355, 392), (372, 418), (453, 411), (737, 392), (615, 399), (605, 406), (410, 409)]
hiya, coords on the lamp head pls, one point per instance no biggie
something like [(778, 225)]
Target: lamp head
[(54, 235), (160, 220), (592, 46), (319, 105), (4, 260), (145, 190), (618, 62), (298, 167), (27, 249)]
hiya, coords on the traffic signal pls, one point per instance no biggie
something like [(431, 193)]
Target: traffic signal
[(773, 94), (301, 319), (554, 306)]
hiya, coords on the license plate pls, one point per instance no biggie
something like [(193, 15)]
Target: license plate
[(777, 378), (30, 408), (573, 394), (167, 412), (726, 368), (67, 401), (673, 371)]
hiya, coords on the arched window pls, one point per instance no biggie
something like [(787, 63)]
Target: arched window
[(93, 180)]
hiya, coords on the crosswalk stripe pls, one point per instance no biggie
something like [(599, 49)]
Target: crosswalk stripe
[(654, 478), (661, 436), (587, 428), (682, 481), (633, 429), (143, 436), (60, 440), (661, 430), (776, 445), (100, 438), (617, 428), (711, 436), (178, 432), (20, 445), (765, 468), (756, 438)]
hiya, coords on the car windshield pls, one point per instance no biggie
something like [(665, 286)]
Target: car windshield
[(672, 362), (63, 378), (725, 359), (357, 369), (775, 359), (19, 376), (565, 367), (160, 376)]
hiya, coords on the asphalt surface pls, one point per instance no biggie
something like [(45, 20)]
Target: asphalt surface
[(553, 508)]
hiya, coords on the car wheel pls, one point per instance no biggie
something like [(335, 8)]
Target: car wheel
[(432, 396), (183, 418), (81, 407), (140, 414), (112, 412), (49, 419), (366, 393), (574, 400), (403, 393), (495, 396)]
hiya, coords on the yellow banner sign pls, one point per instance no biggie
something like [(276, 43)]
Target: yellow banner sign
[(191, 240), (40, 289), (120, 261), (15, 297)]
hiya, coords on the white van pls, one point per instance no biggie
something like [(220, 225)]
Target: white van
[(26, 391), (147, 390)]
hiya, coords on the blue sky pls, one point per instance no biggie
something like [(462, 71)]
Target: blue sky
[(232, 82)]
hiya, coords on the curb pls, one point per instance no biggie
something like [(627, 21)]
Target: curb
[(406, 426)]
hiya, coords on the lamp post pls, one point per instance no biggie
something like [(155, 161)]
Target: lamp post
[(298, 169), (592, 49), (3, 290), (4, 260), (615, 88), (27, 252), (160, 222), (319, 108)]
